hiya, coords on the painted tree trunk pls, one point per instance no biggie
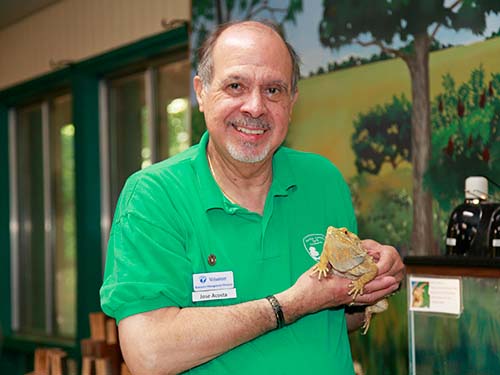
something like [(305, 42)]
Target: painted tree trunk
[(422, 241)]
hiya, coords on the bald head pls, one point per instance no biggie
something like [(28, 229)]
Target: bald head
[(234, 33)]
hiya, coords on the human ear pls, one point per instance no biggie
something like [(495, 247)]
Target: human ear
[(198, 89)]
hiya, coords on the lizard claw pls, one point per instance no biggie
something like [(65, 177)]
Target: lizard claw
[(356, 289), (366, 323), (322, 272)]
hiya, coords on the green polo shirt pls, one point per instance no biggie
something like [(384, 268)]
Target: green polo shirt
[(172, 217)]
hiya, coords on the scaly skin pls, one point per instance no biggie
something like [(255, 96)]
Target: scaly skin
[(343, 255)]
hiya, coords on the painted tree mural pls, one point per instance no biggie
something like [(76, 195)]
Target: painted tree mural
[(415, 22), (382, 135), (221, 11)]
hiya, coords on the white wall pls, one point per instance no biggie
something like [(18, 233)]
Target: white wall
[(77, 29)]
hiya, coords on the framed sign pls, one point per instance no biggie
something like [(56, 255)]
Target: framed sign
[(435, 295)]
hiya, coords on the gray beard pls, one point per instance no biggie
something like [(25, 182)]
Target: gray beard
[(246, 152)]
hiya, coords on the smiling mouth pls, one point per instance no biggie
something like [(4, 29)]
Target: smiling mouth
[(249, 131), (250, 126)]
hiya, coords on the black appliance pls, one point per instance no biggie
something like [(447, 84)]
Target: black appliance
[(494, 234), (472, 225)]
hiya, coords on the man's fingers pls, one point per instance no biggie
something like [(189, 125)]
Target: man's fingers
[(369, 298), (381, 283), (390, 261), (387, 258), (373, 248)]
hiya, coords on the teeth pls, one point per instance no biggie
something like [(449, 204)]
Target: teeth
[(250, 131)]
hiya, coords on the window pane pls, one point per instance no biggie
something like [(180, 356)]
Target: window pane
[(173, 100), (63, 182), (129, 134), (31, 251)]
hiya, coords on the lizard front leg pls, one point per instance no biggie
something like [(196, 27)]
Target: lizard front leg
[(358, 284), (322, 266)]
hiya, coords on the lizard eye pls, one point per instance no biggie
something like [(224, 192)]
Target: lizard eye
[(346, 232)]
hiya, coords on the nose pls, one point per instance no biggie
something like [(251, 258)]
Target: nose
[(254, 104)]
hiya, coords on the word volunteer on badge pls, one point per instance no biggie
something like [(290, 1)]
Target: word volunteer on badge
[(213, 285)]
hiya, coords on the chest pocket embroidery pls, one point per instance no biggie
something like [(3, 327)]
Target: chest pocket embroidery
[(313, 244)]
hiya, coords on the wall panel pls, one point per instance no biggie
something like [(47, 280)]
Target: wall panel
[(71, 30)]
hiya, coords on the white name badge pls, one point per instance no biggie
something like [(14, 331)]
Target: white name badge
[(214, 294), (213, 281)]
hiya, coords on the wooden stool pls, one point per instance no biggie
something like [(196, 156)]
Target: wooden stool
[(101, 353), (49, 361)]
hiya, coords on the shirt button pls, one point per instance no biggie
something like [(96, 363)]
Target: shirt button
[(212, 259)]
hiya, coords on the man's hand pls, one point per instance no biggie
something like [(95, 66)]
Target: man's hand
[(391, 270), (309, 294)]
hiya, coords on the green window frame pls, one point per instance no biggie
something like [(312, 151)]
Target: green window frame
[(42, 217), (144, 118), (83, 80)]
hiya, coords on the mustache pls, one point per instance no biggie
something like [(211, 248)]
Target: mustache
[(250, 122)]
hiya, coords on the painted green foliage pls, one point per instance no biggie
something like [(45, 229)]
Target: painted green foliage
[(382, 135), (344, 21), (208, 13), (466, 134), (389, 219), (220, 11)]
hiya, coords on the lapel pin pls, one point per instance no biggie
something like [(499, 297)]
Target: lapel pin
[(212, 259)]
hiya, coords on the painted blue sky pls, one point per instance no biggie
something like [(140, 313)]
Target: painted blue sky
[(304, 36)]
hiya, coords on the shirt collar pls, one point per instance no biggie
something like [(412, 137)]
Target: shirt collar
[(284, 179), (210, 193)]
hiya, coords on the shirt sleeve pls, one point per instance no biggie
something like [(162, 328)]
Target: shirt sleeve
[(146, 264)]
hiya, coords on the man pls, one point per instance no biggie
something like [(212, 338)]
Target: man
[(200, 240)]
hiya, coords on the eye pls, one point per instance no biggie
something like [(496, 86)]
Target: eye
[(275, 92), (234, 88)]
